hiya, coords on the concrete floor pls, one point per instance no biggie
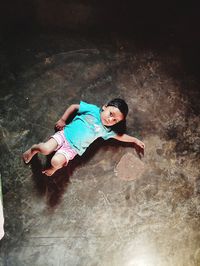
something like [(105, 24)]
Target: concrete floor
[(86, 215)]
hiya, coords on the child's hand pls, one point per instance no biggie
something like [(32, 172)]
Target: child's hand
[(140, 143), (60, 124), (139, 147)]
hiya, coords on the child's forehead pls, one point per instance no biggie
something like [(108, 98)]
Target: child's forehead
[(114, 109)]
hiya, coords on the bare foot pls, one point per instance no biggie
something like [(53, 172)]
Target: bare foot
[(49, 171), (27, 156)]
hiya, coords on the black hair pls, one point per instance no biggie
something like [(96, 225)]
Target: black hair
[(120, 104), (120, 127)]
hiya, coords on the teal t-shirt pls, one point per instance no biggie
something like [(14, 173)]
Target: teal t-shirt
[(86, 127)]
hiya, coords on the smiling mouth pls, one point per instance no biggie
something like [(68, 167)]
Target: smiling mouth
[(107, 122)]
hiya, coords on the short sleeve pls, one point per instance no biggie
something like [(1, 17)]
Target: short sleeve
[(109, 135), (86, 107)]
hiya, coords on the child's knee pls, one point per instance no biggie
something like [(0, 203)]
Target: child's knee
[(44, 148), (58, 160)]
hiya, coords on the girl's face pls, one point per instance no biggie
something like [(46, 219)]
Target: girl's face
[(111, 115)]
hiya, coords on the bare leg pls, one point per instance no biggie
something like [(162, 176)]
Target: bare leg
[(43, 148), (57, 162)]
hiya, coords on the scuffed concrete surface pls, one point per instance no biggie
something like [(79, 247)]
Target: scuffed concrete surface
[(85, 214)]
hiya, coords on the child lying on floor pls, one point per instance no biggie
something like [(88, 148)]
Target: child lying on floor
[(90, 123)]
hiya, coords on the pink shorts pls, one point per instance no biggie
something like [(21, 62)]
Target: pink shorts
[(63, 146)]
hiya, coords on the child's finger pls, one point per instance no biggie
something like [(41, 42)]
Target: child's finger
[(142, 145)]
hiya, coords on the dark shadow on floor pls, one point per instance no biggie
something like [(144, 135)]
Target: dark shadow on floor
[(52, 187)]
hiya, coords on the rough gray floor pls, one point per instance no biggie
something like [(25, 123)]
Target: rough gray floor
[(86, 215)]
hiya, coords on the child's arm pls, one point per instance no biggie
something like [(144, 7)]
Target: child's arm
[(70, 110), (127, 138)]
